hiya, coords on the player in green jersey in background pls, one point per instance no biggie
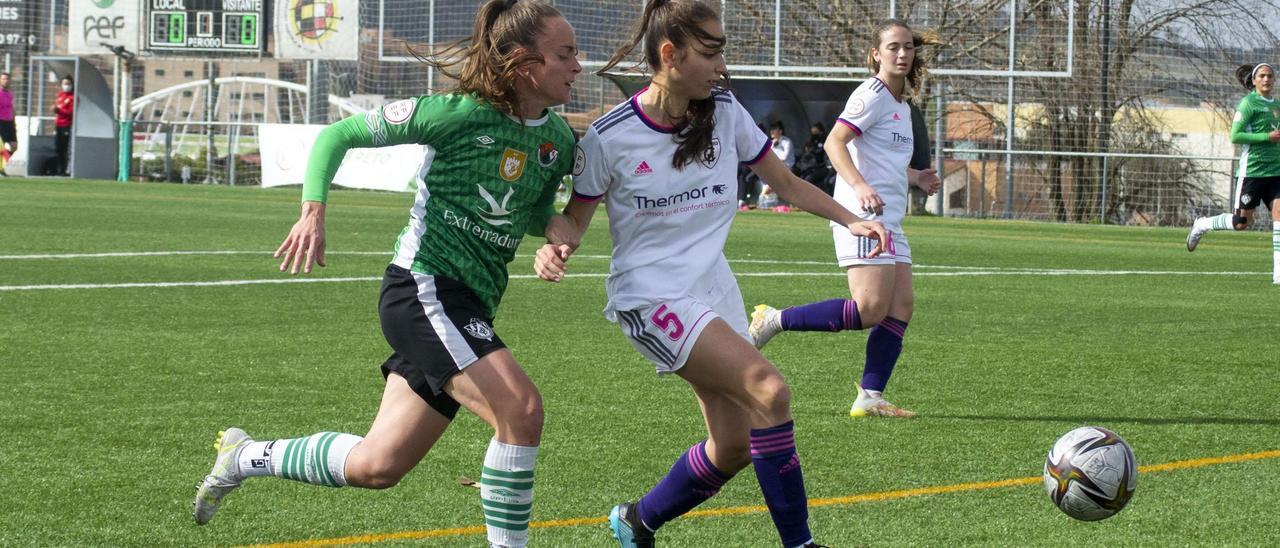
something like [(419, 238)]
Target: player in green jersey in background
[(1257, 129), (495, 157)]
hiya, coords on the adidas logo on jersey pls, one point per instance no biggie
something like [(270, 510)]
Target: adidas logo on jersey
[(643, 169), (896, 117)]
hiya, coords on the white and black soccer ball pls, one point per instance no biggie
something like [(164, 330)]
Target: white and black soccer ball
[(1090, 473)]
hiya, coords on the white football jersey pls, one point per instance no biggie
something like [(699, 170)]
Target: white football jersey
[(881, 151), (668, 226)]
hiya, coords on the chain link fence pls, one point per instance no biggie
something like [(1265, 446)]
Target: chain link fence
[(1054, 110)]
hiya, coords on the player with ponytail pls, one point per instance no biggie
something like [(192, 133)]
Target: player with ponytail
[(1256, 128), (667, 160), (871, 147), (492, 140)]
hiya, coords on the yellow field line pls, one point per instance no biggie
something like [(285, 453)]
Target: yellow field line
[(736, 510)]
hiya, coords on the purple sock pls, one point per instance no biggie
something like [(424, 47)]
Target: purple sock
[(692, 480), (773, 453), (884, 344), (829, 315)]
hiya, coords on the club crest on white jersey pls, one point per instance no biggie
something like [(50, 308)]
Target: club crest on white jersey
[(711, 155)]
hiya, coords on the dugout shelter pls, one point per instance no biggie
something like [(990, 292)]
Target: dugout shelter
[(797, 103), (93, 150)]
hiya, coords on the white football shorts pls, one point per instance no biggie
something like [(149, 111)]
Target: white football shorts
[(665, 332), (853, 250)]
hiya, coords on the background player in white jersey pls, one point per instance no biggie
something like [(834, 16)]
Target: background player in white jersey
[(667, 160), (494, 136), (870, 148), (1256, 128)]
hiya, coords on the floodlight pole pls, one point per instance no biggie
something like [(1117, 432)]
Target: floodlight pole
[(1009, 120), (115, 86), (431, 46), (120, 105), (939, 131), (209, 119), (1106, 100), (777, 35)]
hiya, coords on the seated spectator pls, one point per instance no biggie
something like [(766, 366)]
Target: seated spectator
[(818, 138), (781, 144), (811, 165)]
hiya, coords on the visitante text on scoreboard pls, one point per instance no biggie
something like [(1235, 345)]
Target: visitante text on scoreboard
[(233, 26)]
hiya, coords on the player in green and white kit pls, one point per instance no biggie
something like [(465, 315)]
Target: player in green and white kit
[(1257, 129), (495, 157)]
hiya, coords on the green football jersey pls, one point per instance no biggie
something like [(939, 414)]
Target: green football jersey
[(1256, 117), (486, 180)]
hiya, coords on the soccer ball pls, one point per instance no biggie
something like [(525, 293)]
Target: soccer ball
[(1090, 473)]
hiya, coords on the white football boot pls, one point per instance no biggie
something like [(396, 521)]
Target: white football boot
[(876, 406), (1198, 230), (224, 477), (766, 321)]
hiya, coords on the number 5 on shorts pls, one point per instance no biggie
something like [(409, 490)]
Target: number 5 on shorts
[(667, 322)]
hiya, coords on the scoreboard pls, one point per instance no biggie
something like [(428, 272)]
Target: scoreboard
[(228, 26)]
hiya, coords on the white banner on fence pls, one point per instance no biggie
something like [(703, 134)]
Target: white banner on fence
[(93, 24), (286, 147), (317, 29)]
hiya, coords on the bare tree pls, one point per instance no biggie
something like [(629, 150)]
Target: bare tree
[(1130, 55)]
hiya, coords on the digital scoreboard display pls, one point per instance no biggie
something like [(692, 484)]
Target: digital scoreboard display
[(229, 26)]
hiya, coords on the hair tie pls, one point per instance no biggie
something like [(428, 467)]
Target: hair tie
[(1254, 72)]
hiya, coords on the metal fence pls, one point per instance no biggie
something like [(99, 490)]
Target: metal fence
[(196, 152), (1056, 110)]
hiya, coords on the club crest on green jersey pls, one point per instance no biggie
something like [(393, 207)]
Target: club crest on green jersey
[(547, 154), (512, 165)]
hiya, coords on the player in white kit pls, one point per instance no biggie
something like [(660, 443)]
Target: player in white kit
[(870, 147), (667, 162)]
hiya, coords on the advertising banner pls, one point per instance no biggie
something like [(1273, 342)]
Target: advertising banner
[(317, 29), (286, 147), (20, 26)]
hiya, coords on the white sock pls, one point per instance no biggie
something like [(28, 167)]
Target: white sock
[(1275, 252), (506, 493), (320, 459), (255, 459), (1216, 222)]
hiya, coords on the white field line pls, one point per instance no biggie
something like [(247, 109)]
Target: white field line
[(982, 269), (162, 254), (947, 271), (278, 281)]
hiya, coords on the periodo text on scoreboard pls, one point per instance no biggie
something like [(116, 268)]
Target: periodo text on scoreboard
[(204, 25)]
